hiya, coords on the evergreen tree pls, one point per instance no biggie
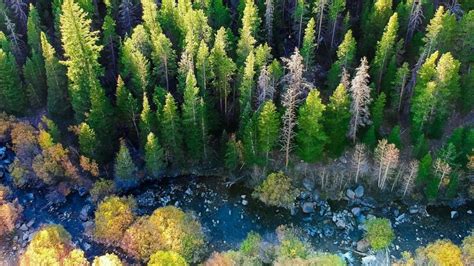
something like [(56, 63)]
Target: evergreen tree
[(11, 90), (147, 122), (424, 170), (219, 14), (298, 19), (127, 107), (250, 141), (164, 58), (372, 25), (346, 53), (87, 141), (385, 50), (150, 17), (311, 137), (134, 65), (336, 7), (202, 67), (171, 131), (399, 90), (100, 117), (269, 10), (34, 69), (246, 89), (154, 156), (126, 17), (336, 120), (57, 100), (268, 128), (394, 137), (124, 168), (319, 10), (82, 53), (378, 111), (250, 26), (194, 120), (222, 69), (440, 32), (361, 99), (232, 154), (110, 42), (309, 44)]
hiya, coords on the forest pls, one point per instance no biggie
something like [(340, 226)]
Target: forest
[(332, 127)]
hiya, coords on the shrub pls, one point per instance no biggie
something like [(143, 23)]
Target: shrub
[(168, 229), (76, 258), (441, 252), (292, 247), (221, 259), (9, 214), (101, 189), (468, 249), (379, 233), (251, 245), (112, 217), (107, 260), (277, 190), (4, 193), (168, 258), (319, 259), (51, 245)]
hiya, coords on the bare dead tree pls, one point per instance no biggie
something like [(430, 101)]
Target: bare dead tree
[(16, 42), (319, 11), (295, 85), (414, 21), (19, 9), (386, 157), (409, 177), (345, 79), (269, 19), (361, 99), (265, 87), (359, 160), (127, 17), (442, 169)]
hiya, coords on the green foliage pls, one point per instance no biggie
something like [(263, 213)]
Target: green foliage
[(148, 123), (232, 155), (171, 131), (11, 89), (166, 229), (441, 252), (246, 88), (219, 14), (112, 217), (424, 171), (378, 111), (154, 156), (385, 50), (336, 119), (170, 258), (100, 116), (164, 58), (222, 69), (394, 137), (57, 102), (83, 68), (107, 260), (379, 233), (127, 106), (124, 168), (277, 190), (49, 246), (268, 128), (101, 189), (251, 244), (374, 18), (309, 44), (291, 246), (87, 140), (346, 53), (311, 137), (250, 26), (370, 137)]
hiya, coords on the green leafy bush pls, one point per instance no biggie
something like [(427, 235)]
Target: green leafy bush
[(277, 190), (168, 258), (379, 233), (112, 217)]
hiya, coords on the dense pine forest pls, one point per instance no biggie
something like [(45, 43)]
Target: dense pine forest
[(298, 104)]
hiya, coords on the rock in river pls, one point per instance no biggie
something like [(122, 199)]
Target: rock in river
[(359, 191), (308, 207)]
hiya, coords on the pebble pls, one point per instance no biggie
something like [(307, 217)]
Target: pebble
[(245, 202)]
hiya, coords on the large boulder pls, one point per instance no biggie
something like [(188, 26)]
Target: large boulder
[(307, 207), (359, 191)]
